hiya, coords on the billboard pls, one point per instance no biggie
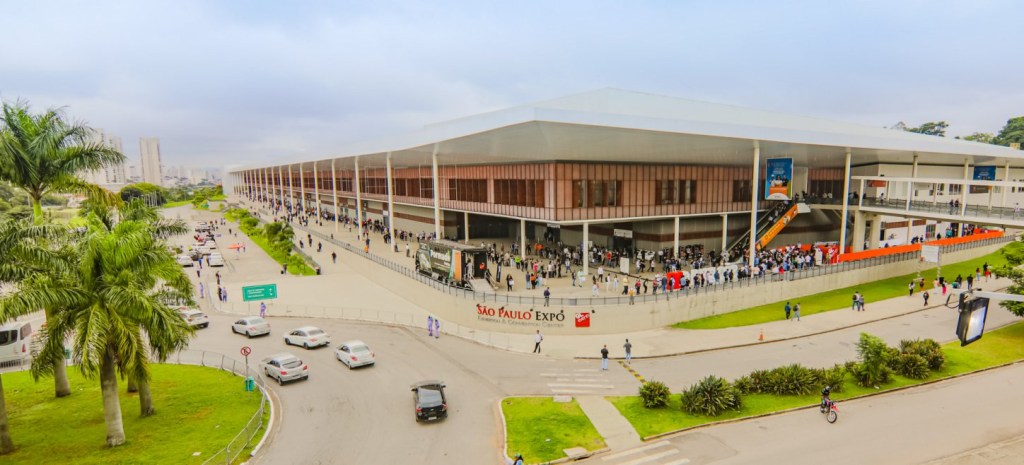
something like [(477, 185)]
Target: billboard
[(984, 173), (778, 175)]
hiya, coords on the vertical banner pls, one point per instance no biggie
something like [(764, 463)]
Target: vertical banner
[(778, 175)]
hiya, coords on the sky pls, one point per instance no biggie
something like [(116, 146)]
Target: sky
[(239, 82)]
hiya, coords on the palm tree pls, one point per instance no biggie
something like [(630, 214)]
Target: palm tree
[(23, 258), (113, 301), (43, 153)]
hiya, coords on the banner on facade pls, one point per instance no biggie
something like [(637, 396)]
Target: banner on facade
[(984, 173), (778, 175)]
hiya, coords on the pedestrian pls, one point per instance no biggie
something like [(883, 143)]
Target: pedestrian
[(536, 342), (632, 293), (263, 309), (406, 250), (437, 328), (518, 460), (629, 350), (198, 270), (796, 312), (925, 295), (334, 257), (430, 326), (860, 302), (217, 274), (788, 310), (604, 357), (910, 289), (202, 291), (856, 300), (547, 296), (985, 269), (593, 290), (220, 294)]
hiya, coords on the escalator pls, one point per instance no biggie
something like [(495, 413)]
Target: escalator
[(768, 227)]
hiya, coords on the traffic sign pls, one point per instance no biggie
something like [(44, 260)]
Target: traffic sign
[(259, 292), (246, 350)]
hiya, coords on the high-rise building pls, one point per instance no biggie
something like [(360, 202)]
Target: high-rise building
[(111, 175), (152, 172)]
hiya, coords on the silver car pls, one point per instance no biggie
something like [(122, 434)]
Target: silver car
[(355, 354), (285, 367), (251, 326), (195, 318), (308, 336)]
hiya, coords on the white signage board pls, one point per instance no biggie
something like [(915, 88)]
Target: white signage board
[(930, 253)]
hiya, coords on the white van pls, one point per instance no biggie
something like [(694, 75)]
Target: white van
[(15, 340)]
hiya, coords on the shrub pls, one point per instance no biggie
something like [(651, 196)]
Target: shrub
[(928, 349), (873, 368), (654, 394), (912, 366), (759, 381), (832, 377), (791, 380), (711, 396), (744, 385)]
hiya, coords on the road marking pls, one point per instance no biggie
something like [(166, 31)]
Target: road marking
[(572, 391), (596, 386), (651, 458), (679, 462), (630, 369), (636, 451)]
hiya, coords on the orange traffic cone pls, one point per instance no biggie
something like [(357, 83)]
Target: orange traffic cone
[(761, 337)]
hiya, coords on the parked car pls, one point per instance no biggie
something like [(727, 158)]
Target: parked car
[(308, 336), (195, 318), (251, 326), (15, 340), (185, 260), (202, 250), (431, 403), (285, 367), (355, 354), (215, 259)]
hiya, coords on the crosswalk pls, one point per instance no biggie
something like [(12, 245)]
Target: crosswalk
[(657, 453), (577, 381)]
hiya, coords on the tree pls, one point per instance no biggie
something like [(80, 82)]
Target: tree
[(1012, 132), (932, 128), (42, 153), (1014, 253), (114, 308), (983, 137)]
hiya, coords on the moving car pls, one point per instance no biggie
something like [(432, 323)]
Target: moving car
[(251, 326), (431, 404), (202, 250), (185, 260), (308, 336), (215, 259), (355, 354), (285, 367), (195, 318)]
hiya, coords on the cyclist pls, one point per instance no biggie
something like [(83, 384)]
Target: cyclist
[(825, 400)]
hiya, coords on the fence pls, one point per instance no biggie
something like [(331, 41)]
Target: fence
[(764, 279)]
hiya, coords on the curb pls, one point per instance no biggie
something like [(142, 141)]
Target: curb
[(272, 400), (865, 396)]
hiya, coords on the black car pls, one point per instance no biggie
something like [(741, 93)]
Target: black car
[(431, 404)]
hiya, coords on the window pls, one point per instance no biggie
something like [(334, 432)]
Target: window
[(518, 192), (469, 190), (689, 191), (741, 190), (665, 192), (579, 193), (955, 189), (596, 193)]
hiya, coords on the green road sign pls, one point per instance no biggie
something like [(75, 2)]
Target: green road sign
[(260, 292)]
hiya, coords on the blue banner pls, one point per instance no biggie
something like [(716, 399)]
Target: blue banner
[(984, 173), (778, 176)]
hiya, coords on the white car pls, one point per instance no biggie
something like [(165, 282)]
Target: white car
[(251, 326), (308, 336), (285, 367), (202, 249), (185, 260), (355, 354), (215, 259), (195, 318)]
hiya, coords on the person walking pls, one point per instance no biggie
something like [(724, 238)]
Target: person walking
[(437, 328), (856, 294), (593, 290), (217, 274), (334, 257), (796, 312), (604, 357), (547, 296), (910, 289), (537, 339), (632, 293), (925, 295), (202, 291), (430, 326), (629, 350), (263, 309), (860, 302), (788, 310)]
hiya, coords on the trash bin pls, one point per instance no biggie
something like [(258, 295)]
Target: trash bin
[(67, 353), (250, 384)]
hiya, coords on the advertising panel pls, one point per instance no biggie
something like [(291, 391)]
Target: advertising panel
[(984, 173), (778, 176)]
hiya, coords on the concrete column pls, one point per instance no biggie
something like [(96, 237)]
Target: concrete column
[(585, 258), (437, 193), (1006, 177), (302, 187), (522, 238), (334, 189), (391, 201), (963, 191), (846, 207), (291, 188), (725, 231), (316, 191), (280, 184), (860, 194), (910, 221), (359, 198), (675, 238), (266, 184), (910, 187), (752, 252), (858, 231), (465, 225), (875, 231)]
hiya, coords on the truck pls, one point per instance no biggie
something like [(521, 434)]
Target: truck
[(451, 262)]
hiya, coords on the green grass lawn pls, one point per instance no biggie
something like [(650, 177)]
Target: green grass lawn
[(197, 410), (539, 428), (997, 347), (176, 204), (838, 299)]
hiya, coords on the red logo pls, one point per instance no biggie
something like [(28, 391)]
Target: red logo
[(583, 320)]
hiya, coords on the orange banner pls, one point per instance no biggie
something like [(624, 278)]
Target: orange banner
[(777, 227), (850, 257)]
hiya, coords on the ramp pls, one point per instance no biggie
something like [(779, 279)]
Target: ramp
[(480, 285)]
